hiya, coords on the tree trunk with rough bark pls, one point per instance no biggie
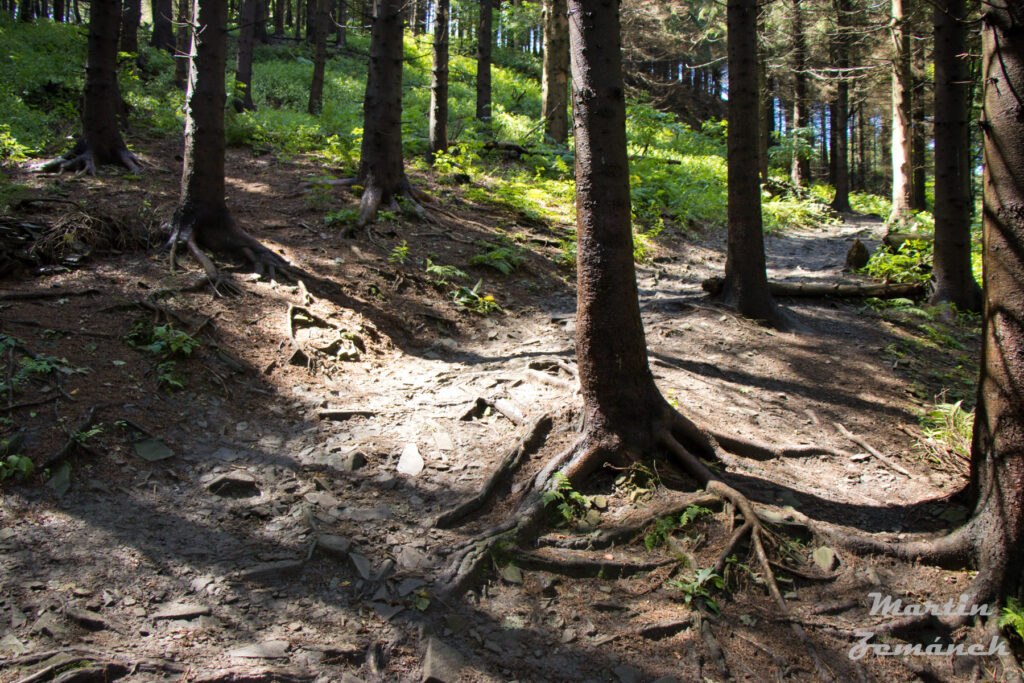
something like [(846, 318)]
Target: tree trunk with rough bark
[(163, 25), (800, 167), (554, 82), (243, 66), (997, 456), (746, 280), (131, 16), (279, 17), (840, 124), (59, 10), (202, 219), (901, 117), (954, 281), (316, 88), (182, 41), (381, 172), (619, 395), (919, 140), (439, 83), (483, 61), (101, 141), (341, 23), (26, 10)]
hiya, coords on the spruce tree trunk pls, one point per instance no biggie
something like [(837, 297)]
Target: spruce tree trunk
[(767, 107), (554, 83), (918, 142), (483, 61), (131, 16), (202, 207), (183, 42), (341, 21), (619, 395), (59, 10), (901, 117), (799, 168), (26, 10), (746, 281), (997, 455), (163, 25), (439, 82), (380, 167), (954, 281), (840, 123), (279, 17), (243, 65), (316, 88), (101, 141)]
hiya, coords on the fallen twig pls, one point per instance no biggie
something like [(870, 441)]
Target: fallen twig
[(866, 446)]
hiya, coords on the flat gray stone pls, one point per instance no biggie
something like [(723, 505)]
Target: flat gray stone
[(411, 559), (442, 663), (225, 454), (182, 610), (361, 565), (337, 546), (269, 649)]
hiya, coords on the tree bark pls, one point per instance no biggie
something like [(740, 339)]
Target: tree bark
[(619, 396), (163, 25), (901, 117), (439, 82), (101, 141), (954, 281), (997, 456), (380, 168), (279, 17), (799, 170), (341, 21), (746, 281), (59, 10), (26, 10), (840, 124), (243, 65), (183, 40), (131, 16), (316, 88), (554, 83), (918, 142), (202, 218), (483, 61)]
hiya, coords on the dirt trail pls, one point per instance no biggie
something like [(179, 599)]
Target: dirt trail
[(278, 540)]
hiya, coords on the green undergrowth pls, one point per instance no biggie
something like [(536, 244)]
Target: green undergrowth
[(677, 173)]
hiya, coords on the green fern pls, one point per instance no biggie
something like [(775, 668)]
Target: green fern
[(444, 274), (502, 259), (1012, 617)]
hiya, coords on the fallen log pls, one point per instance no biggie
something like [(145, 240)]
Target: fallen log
[(812, 290)]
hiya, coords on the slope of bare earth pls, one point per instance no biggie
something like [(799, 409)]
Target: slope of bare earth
[(272, 519)]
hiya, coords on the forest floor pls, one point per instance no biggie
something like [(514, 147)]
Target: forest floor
[(273, 519)]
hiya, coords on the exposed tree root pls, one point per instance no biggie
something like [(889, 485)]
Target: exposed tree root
[(230, 241), (759, 450), (528, 444), (689, 447), (84, 159), (571, 563), (626, 533)]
